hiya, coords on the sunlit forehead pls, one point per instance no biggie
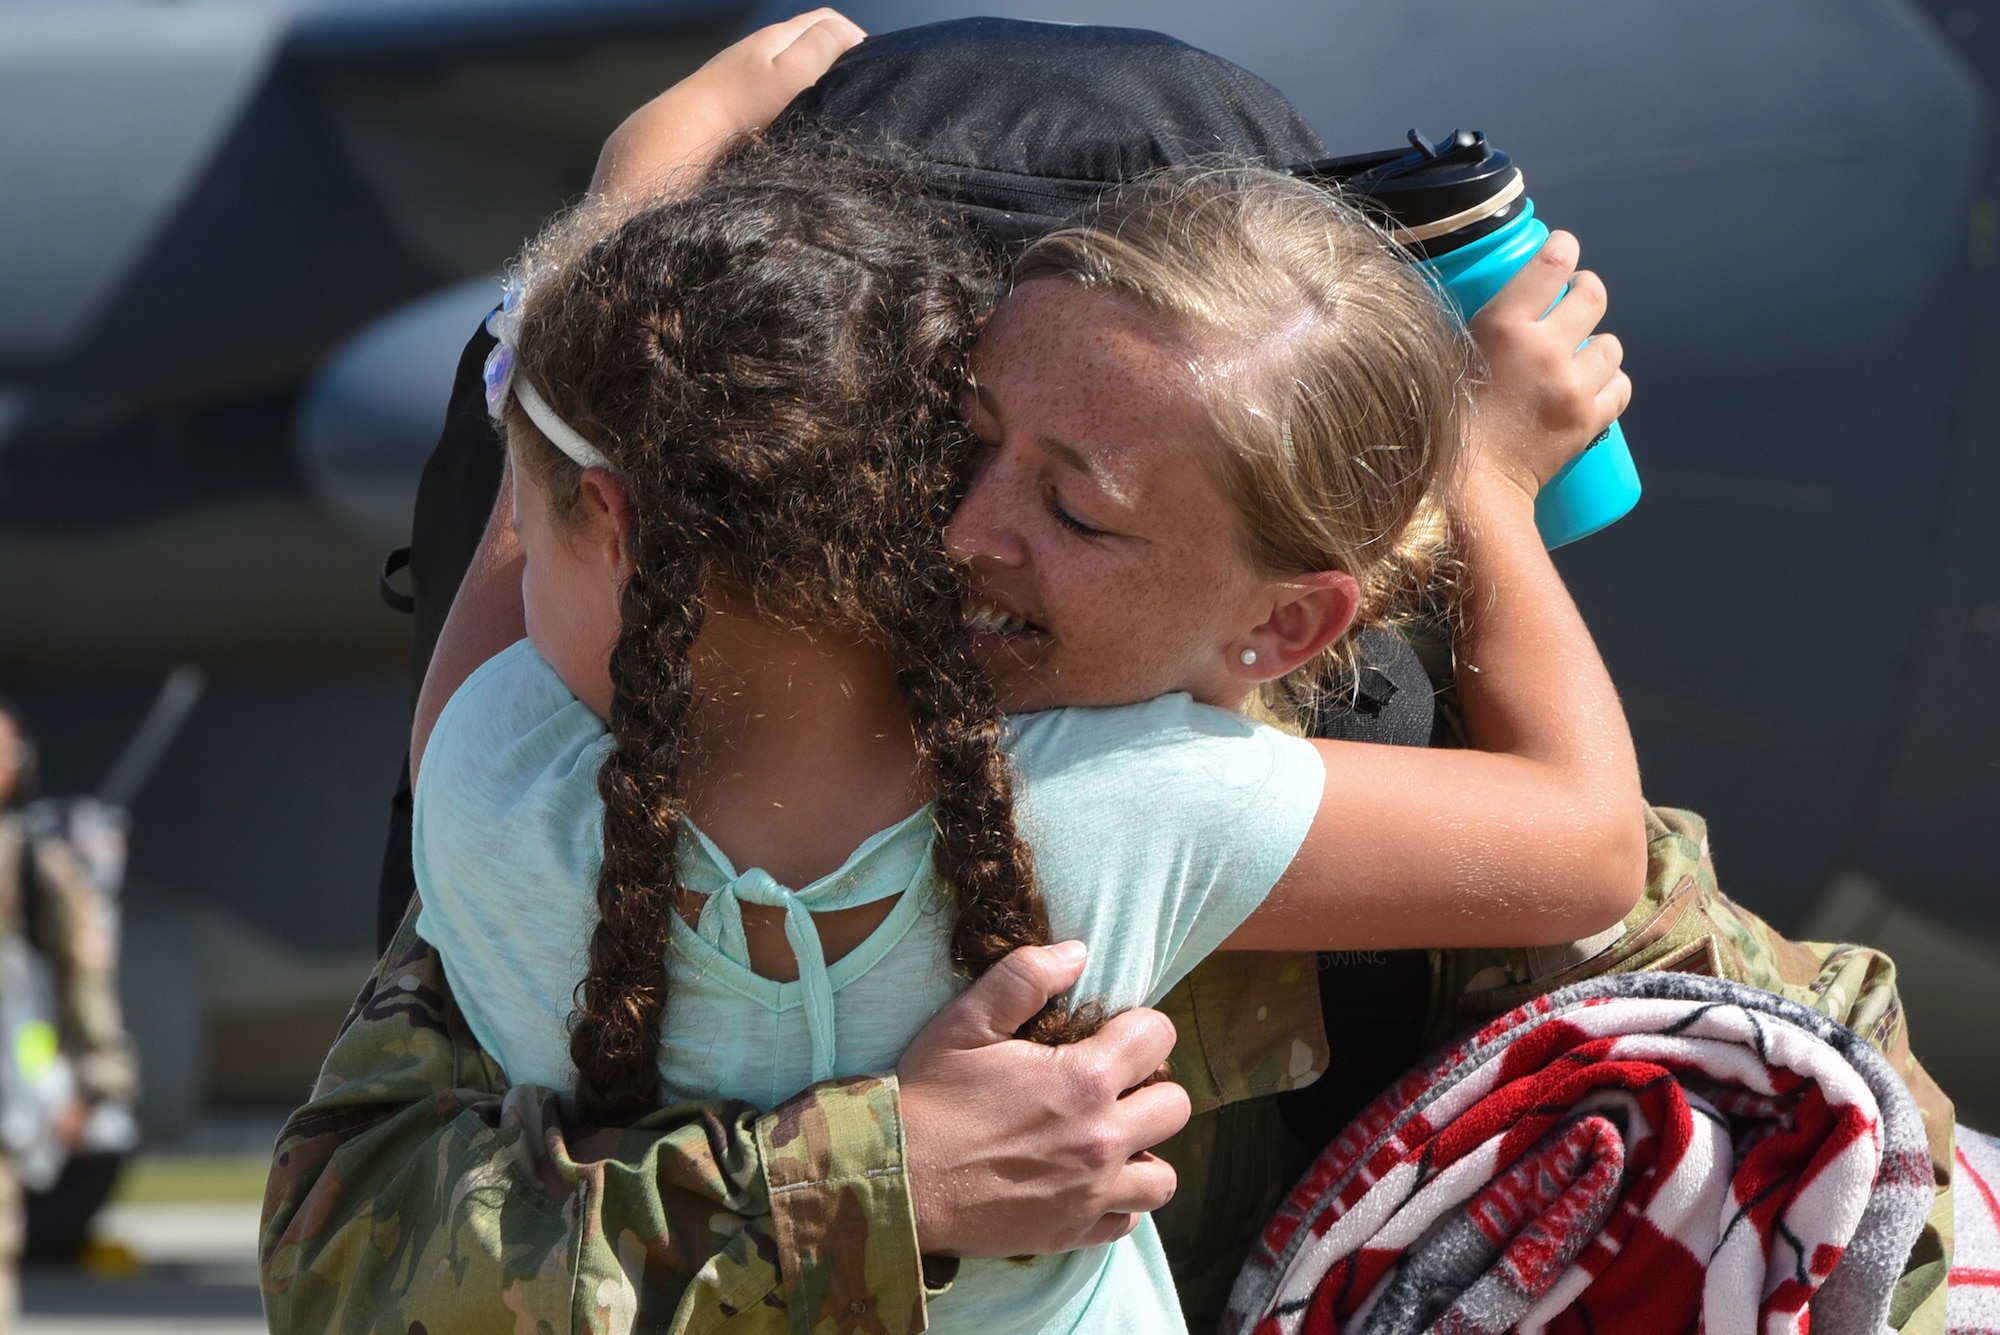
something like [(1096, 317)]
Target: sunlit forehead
[(1092, 385), (1101, 479)]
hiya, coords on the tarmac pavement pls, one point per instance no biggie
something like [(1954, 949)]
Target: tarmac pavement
[(198, 1276)]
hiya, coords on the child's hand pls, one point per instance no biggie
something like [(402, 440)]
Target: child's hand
[(1550, 385), (748, 84), (742, 88)]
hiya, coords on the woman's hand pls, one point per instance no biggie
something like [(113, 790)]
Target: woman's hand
[(1015, 1148), (1551, 385), (742, 88)]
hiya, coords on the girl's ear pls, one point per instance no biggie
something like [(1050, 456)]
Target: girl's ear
[(1309, 612), (607, 516)]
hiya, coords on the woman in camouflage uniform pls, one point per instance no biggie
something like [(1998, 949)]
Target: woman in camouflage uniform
[(798, 1219)]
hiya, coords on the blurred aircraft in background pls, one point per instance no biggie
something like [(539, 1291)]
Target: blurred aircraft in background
[(204, 197), (241, 244)]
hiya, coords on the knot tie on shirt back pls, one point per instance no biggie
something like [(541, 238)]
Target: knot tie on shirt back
[(721, 923)]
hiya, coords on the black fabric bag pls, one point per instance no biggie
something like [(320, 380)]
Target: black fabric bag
[(1024, 124)]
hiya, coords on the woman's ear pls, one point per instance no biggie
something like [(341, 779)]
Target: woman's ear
[(607, 520), (1309, 612)]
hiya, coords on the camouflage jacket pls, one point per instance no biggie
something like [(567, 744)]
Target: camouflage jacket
[(416, 1191), (75, 932)]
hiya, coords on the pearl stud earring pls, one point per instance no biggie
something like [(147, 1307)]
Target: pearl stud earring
[(1249, 658)]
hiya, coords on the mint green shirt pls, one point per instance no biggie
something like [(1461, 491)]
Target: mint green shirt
[(1156, 829)]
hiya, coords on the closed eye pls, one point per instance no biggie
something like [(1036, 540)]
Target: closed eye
[(1071, 522)]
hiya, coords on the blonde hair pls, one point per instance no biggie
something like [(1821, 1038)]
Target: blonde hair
[(1335, 376)]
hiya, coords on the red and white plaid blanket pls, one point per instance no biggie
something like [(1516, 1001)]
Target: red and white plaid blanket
[(1625, 1157), (1972, 1302)]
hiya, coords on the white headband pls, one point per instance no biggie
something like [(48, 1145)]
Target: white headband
[(501, 381), (560, 433)]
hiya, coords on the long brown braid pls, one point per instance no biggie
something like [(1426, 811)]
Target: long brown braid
[(770, 363)]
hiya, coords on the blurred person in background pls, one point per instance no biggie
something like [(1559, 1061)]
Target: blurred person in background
[(67, 1053)]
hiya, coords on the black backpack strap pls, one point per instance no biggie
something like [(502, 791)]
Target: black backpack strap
[(455, 498), (393, 597), (460, 485), (1392, 702), (1382, 994)]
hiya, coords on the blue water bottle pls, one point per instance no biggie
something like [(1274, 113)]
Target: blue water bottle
[(1460, 209)]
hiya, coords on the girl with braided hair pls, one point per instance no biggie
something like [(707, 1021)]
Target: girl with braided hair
[(769, 367), (734, 457), (733, 450)]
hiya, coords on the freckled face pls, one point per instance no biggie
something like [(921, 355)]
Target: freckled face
[(569, 592), (1105, 562)]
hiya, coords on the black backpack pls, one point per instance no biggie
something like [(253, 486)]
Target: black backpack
[(1024, 124)]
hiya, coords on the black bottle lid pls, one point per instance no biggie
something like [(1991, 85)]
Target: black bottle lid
[(1436, 197)]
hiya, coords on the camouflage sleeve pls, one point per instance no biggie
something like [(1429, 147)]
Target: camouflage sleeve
[(416, 1191), (1249, 1025), (81, 944)]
